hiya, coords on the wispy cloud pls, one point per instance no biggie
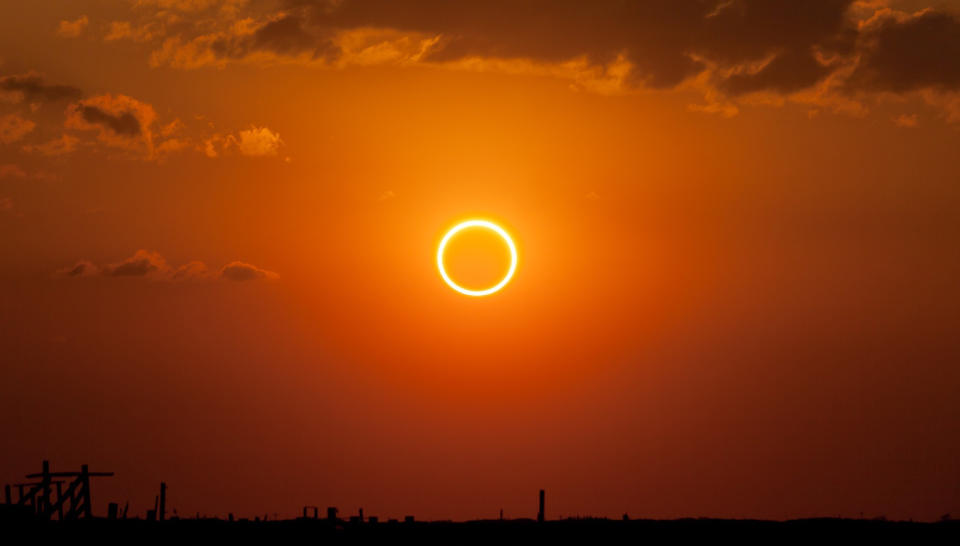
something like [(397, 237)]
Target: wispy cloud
[(13, 128), (73, 29)]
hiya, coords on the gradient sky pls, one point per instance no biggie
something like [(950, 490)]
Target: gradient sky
[(737, 225)]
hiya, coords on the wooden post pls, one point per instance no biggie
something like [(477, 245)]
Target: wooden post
[(59, 501), (85, 486), (44, 503)]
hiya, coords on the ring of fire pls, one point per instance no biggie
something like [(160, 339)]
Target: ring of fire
[(481, 224)]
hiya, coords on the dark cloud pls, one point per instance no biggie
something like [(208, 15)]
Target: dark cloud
[(665, 40), (723, 48), (124, 124), (34, 89), (82, 268), (916, 53), (286, 35), (786, 73)]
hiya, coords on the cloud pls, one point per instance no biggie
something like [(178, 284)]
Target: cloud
[(210, 145), (124, 124), (73, 29), (906, 121), (14, 127), (120, 121), (143, 263), (9, 170), (83, 268), (835, 55), (903, 53), (259, 142), (387, 195), (191, 271), (171, 128), (948, 102), (784, 73), (120, 115), (56, 147), (31, 88), (240, 271), (152, 265), (124, 30), (171, 145), (253, 142), (660, 40), (188, 5)]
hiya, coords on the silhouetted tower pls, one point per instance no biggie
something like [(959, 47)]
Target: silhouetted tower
[(332, 514), (540, 513), (163, 501)]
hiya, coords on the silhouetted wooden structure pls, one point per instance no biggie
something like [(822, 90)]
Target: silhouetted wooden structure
[(71, 502)]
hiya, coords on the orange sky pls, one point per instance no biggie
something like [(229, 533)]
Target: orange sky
[(736, 223)]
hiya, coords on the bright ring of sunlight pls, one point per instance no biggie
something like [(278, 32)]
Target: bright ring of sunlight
[(483, 224)]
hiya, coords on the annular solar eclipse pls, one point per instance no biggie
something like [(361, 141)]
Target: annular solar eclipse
[(482, 224)]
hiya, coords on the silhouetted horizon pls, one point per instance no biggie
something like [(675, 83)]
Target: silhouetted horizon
[(59, 501)]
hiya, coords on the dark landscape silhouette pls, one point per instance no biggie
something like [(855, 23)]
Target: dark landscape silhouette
[(55, 508)]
